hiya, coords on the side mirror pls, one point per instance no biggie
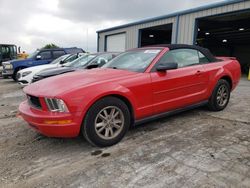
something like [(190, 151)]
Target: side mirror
[(102, 62), (61, 62), (38, 57), (166, 66)]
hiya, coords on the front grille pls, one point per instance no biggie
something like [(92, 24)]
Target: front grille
[(34, 101)]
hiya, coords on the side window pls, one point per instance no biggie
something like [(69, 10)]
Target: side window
[(58, 53), (45, 55), (183, 57), (203, 58), (71, 58)]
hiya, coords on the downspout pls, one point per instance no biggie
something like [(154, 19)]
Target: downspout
[(177, 28), (98, 38)]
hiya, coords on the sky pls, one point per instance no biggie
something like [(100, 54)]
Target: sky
[(32, 24)]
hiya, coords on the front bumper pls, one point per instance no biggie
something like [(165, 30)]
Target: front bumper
[(7, 72), (37, 119), (23, 82)]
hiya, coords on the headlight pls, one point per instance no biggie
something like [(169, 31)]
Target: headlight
[(8, 66), (56, 105), (26, 73)]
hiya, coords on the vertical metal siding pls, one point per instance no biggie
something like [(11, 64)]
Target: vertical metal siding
[(187, 22), (186, 25), (132, 33)]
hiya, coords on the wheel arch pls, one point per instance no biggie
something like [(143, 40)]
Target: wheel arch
[(129, 105), (118, 95), (122, 97), (228, 79), (226, 76)]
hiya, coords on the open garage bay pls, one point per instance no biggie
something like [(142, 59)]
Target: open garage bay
[(227, 35), (194, 149)]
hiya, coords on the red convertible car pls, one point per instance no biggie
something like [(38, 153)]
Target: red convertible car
[(138, 85)]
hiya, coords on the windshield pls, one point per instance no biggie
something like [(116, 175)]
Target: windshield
[(80, 62), (136, 61), (59, 59), (33, 55)]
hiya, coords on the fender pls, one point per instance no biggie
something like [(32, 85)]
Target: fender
[(112, 89)]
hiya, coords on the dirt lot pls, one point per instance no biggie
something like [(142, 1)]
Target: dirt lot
[(193, 149)]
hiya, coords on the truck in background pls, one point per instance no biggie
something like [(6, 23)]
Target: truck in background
[(7, 52), (39, 57)]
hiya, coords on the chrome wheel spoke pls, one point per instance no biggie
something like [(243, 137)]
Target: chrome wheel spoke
[(111, 131), (101, 124), (103, 117), (105, 113), (101, 129), (112, 113), (106, 132), (116, 114), (117, 121), (116, 126)]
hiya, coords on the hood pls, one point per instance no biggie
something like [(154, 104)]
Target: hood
[(55, 71), (19, 61), (37, 68), (54, 86)]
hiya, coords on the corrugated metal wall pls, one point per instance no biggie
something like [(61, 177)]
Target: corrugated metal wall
[(187, 21), (132, 33), (186, 25)]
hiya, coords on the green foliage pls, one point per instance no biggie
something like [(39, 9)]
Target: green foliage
[(49, 46)]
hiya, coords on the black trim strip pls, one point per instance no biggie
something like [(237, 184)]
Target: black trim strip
[(169, 113)]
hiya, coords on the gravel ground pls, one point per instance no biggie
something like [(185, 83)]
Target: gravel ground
[(197, 148)]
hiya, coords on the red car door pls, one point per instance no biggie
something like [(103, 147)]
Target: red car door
[(179, 87)]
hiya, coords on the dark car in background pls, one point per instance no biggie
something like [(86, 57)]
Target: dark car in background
[(39, 57), (85, 62)]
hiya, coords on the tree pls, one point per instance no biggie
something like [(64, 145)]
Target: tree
[(49, 46)]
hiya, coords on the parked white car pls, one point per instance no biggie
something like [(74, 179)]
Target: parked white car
[(25, 76)]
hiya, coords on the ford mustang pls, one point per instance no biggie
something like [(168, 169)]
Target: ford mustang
[(137, 86)]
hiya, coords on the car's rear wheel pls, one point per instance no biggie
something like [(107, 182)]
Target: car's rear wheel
[(220, 96), (106, 122)]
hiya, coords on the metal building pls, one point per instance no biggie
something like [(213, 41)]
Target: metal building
[(222, 27)]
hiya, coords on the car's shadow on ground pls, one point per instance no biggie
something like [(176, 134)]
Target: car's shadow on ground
[(156, 124)]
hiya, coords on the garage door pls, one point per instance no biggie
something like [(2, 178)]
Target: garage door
[(116, 43)]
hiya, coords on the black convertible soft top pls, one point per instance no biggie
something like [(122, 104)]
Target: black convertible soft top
[(205, 51)]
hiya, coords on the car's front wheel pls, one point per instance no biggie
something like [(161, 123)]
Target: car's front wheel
[(220, 96), (14, 76), (106, 122)]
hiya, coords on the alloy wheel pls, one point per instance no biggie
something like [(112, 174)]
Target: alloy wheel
[(109, 122), (222, 95)]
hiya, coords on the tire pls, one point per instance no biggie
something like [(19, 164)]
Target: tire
[(97, 123), (218, 101), (5, 77), (14, 76)]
